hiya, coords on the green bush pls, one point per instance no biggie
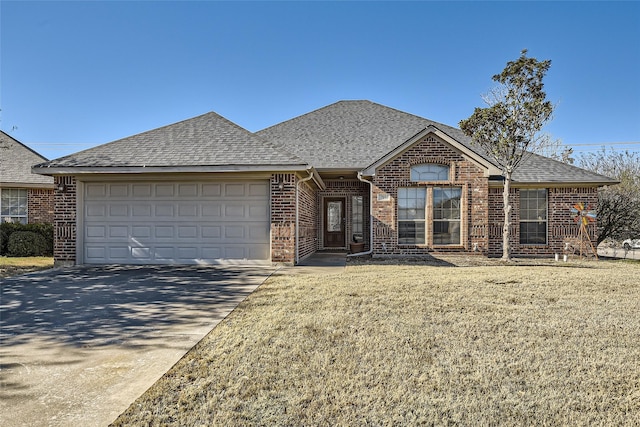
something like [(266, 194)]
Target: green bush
[(7, 229), (4, 238), (26, 243)]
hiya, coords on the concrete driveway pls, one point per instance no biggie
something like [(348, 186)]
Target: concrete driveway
[(79, 345)]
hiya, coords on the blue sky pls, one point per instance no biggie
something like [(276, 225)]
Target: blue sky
[(77, 74)]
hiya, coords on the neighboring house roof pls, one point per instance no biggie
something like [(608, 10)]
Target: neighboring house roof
[(357, 134), (16, 160), (208, 140)]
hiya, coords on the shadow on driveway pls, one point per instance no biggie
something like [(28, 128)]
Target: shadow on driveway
[(79, 344)]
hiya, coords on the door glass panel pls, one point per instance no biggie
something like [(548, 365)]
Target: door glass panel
[(334, 216)]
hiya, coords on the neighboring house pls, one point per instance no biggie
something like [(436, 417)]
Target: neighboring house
[(25, 197), (205, 190)]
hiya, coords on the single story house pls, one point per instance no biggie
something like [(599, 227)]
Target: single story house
[(205, 190), (25, 197)]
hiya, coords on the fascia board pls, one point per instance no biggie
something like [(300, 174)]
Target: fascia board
[(168, 169), (551, 184), (25, 185)]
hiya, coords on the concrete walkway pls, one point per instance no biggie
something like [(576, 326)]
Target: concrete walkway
[(318, 263), (79, 345)]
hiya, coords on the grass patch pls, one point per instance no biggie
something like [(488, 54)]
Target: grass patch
[(405, 345), (10, 266)]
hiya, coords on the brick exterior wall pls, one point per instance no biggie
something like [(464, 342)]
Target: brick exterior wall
[(283, 218), (560, 225), (40, 205), (307, 220), (463, 173), (346, 188), (64, 223)]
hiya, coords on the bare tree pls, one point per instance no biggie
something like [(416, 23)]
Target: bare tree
[(509, 129), (618, 205)]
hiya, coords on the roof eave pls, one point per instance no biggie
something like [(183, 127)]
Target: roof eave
[(552, 184), (87, 170)]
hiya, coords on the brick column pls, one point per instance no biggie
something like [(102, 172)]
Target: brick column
[(64, 223), (283, 218)]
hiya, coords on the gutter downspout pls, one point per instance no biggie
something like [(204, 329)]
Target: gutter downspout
[(370, 217), (310, 171)]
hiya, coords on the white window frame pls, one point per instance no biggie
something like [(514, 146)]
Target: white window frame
[(14, 205)]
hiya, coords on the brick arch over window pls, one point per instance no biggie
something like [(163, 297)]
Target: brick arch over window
[(427, 160)]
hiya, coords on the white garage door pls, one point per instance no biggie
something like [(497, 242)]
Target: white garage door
[(176, 222)]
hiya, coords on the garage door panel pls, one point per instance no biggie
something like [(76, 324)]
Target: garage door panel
[(187, 232), (211, 190), (96, 190), (141, 211), (118, 253), (212, 210), (141, 231), (97, 231), (181, 222), (96, 210), (260, 190), (164, 210), (141, 190), (164, 232), (118, 190), (118, 210), (187, 190), (234, 190), (164, 190), (118, 231)]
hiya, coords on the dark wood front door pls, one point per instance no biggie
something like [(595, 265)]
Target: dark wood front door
[(334, 221)]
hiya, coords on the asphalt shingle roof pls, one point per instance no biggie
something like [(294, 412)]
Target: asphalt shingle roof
[(346, 135), (350, 134), (355, 134), (16, 160), (206, 140)]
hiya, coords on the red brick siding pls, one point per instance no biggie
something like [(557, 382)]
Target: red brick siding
[(346, 188), (307, 220), (283, 217), (396, 174), (560, 221), (64, 223), (40, 205)]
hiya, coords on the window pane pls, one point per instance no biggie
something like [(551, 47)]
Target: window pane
[(446, 203), (533, 232), (446, 232), (357, 218), (430, 172), (533, 216), (411, 214), (411, 232), (13, 205), (411, 203)]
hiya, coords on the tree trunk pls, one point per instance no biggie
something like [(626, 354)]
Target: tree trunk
[(506, 228)]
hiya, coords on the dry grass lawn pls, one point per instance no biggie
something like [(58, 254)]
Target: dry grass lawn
[(407, 345), (10, 266)]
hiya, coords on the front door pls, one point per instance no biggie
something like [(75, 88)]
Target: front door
[(334, 221)]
